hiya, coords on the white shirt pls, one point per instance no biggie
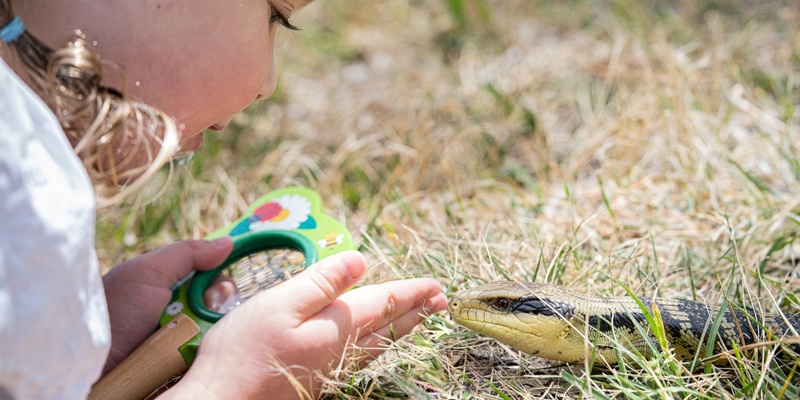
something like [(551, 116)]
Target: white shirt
[(54, 330)]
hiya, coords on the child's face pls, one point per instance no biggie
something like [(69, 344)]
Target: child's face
[(200, 61), (203, 60)]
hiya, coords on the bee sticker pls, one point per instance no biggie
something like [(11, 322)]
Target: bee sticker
[(330, 240)]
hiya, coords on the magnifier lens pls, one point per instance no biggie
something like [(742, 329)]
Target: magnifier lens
[(250, 275)]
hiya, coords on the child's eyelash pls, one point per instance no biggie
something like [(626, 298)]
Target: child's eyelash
[(278, 18)]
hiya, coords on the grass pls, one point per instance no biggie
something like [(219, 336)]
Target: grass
[(599, 145)]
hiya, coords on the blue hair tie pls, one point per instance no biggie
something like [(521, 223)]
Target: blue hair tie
[(12, 31)]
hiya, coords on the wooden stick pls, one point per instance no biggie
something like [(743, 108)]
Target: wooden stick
[(150, 366)]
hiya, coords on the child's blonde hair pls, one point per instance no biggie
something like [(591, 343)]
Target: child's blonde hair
[(114, 137)]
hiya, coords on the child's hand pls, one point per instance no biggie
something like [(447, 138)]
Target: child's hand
[(303, 327), (138, 290)]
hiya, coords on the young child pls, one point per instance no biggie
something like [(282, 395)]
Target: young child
[(97, 94)]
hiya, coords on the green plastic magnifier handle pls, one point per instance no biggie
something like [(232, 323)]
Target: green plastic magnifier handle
[(244, 246)]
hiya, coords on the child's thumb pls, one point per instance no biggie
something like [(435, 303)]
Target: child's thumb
[(321, 284), (178, 259)]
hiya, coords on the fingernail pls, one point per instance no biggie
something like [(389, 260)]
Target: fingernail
[(434, 304), (354, 264), (212, 299), (220, 241)]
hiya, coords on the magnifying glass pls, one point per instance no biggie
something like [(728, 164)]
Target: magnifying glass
[(283, 233), (250, 269)]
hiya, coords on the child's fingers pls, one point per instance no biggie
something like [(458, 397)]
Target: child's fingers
[(376, 305), (309, 292), (372, 344), (220, 294)]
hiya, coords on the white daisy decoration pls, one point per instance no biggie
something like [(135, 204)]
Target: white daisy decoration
[(174, 308), (294, 210)]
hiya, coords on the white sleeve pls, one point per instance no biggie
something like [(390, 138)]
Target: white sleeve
[(54, 330)]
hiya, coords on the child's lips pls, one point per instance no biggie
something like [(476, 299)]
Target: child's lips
[(221, 124), (218, 126)]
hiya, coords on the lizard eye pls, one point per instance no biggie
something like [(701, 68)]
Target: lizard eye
[(502, 304)]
